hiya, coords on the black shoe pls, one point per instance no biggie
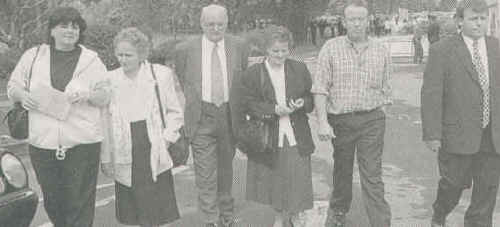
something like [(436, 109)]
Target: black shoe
[(437, 224), (438, 220), (226, 222), (335, 219), (212, 224)]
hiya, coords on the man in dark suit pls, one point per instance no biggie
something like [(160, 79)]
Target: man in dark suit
[(461, 116), (209, 68)]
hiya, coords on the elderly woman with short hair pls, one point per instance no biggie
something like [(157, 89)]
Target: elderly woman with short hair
[(64, 146), (281, 178), (135, 151)]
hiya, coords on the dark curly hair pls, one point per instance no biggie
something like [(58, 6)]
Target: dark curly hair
[(66, 15)]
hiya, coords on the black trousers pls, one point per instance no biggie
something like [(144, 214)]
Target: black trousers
[(458, 172), (69, 185), (360, 135)]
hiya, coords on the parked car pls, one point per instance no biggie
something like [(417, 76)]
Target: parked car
[(18, 202)]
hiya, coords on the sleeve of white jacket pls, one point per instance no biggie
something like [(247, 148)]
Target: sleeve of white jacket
[(19, 77), (173, 104), (99, 75)]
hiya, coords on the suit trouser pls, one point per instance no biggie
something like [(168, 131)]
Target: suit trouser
[(69, 185), (213, 153), (460, 171), (362, 134)]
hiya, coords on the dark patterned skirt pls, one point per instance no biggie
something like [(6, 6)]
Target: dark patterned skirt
[(282, 179), (146, 202)]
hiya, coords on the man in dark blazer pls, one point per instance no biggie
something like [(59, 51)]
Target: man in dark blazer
[(461, 116), (209, 68)]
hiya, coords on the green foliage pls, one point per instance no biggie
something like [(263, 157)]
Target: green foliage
[(100, 39)]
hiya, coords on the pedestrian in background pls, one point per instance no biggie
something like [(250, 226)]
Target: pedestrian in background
[(313, 29), (136, 147), (417, 43), (433, 30), (209, 68), (64, 150), (461, 116), (282, 177), (350, 91)]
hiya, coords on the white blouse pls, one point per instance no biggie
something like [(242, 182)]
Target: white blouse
[(132, 98), (285, 125)]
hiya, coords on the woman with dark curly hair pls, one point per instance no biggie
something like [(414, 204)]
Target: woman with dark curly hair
[(64, 147)]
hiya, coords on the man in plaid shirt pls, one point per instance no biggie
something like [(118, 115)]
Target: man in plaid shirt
[(350, 91)]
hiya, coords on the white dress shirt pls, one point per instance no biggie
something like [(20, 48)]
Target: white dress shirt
[(285, 125), (482, 51), (206, 68)]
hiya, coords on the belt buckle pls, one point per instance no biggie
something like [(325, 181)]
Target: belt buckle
[(61, 153)]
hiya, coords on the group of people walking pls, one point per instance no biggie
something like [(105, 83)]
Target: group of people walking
[(115, 120)]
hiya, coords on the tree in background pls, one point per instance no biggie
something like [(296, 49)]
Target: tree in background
[(23, 22)]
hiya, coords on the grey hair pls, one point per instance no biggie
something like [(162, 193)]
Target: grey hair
[(212, 8), (135, 37)]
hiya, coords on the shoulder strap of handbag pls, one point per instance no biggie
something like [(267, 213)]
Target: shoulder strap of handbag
[(157, 91), (31, 68), (262, 77)]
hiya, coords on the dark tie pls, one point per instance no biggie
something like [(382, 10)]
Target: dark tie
[(483, 81), (217, 78)]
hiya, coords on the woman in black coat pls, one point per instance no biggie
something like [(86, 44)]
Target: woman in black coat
[(282, 177)]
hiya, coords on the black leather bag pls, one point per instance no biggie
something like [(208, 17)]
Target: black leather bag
[(17, 117), (254, 134), (179, 151)]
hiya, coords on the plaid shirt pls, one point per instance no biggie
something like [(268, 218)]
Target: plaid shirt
[(353, 80)]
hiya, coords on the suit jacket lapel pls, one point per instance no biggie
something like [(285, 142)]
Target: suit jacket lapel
[(195, 63), (229, 49), (466, 58), (290, 80), (267, 86), (492, 51)]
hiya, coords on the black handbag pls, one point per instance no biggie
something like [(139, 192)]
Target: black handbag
[(254, 134), (17, 117), (179, 151)]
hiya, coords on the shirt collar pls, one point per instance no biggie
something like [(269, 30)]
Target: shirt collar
[(351, 44), (469, 41), (268, 66), (209, 43)]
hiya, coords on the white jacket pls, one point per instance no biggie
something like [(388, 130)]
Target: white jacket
[(83, 124), (117, 146)]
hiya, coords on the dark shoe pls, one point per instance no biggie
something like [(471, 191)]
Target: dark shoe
[(226, 222), (335, 219), (436, 224), (211, 225)]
